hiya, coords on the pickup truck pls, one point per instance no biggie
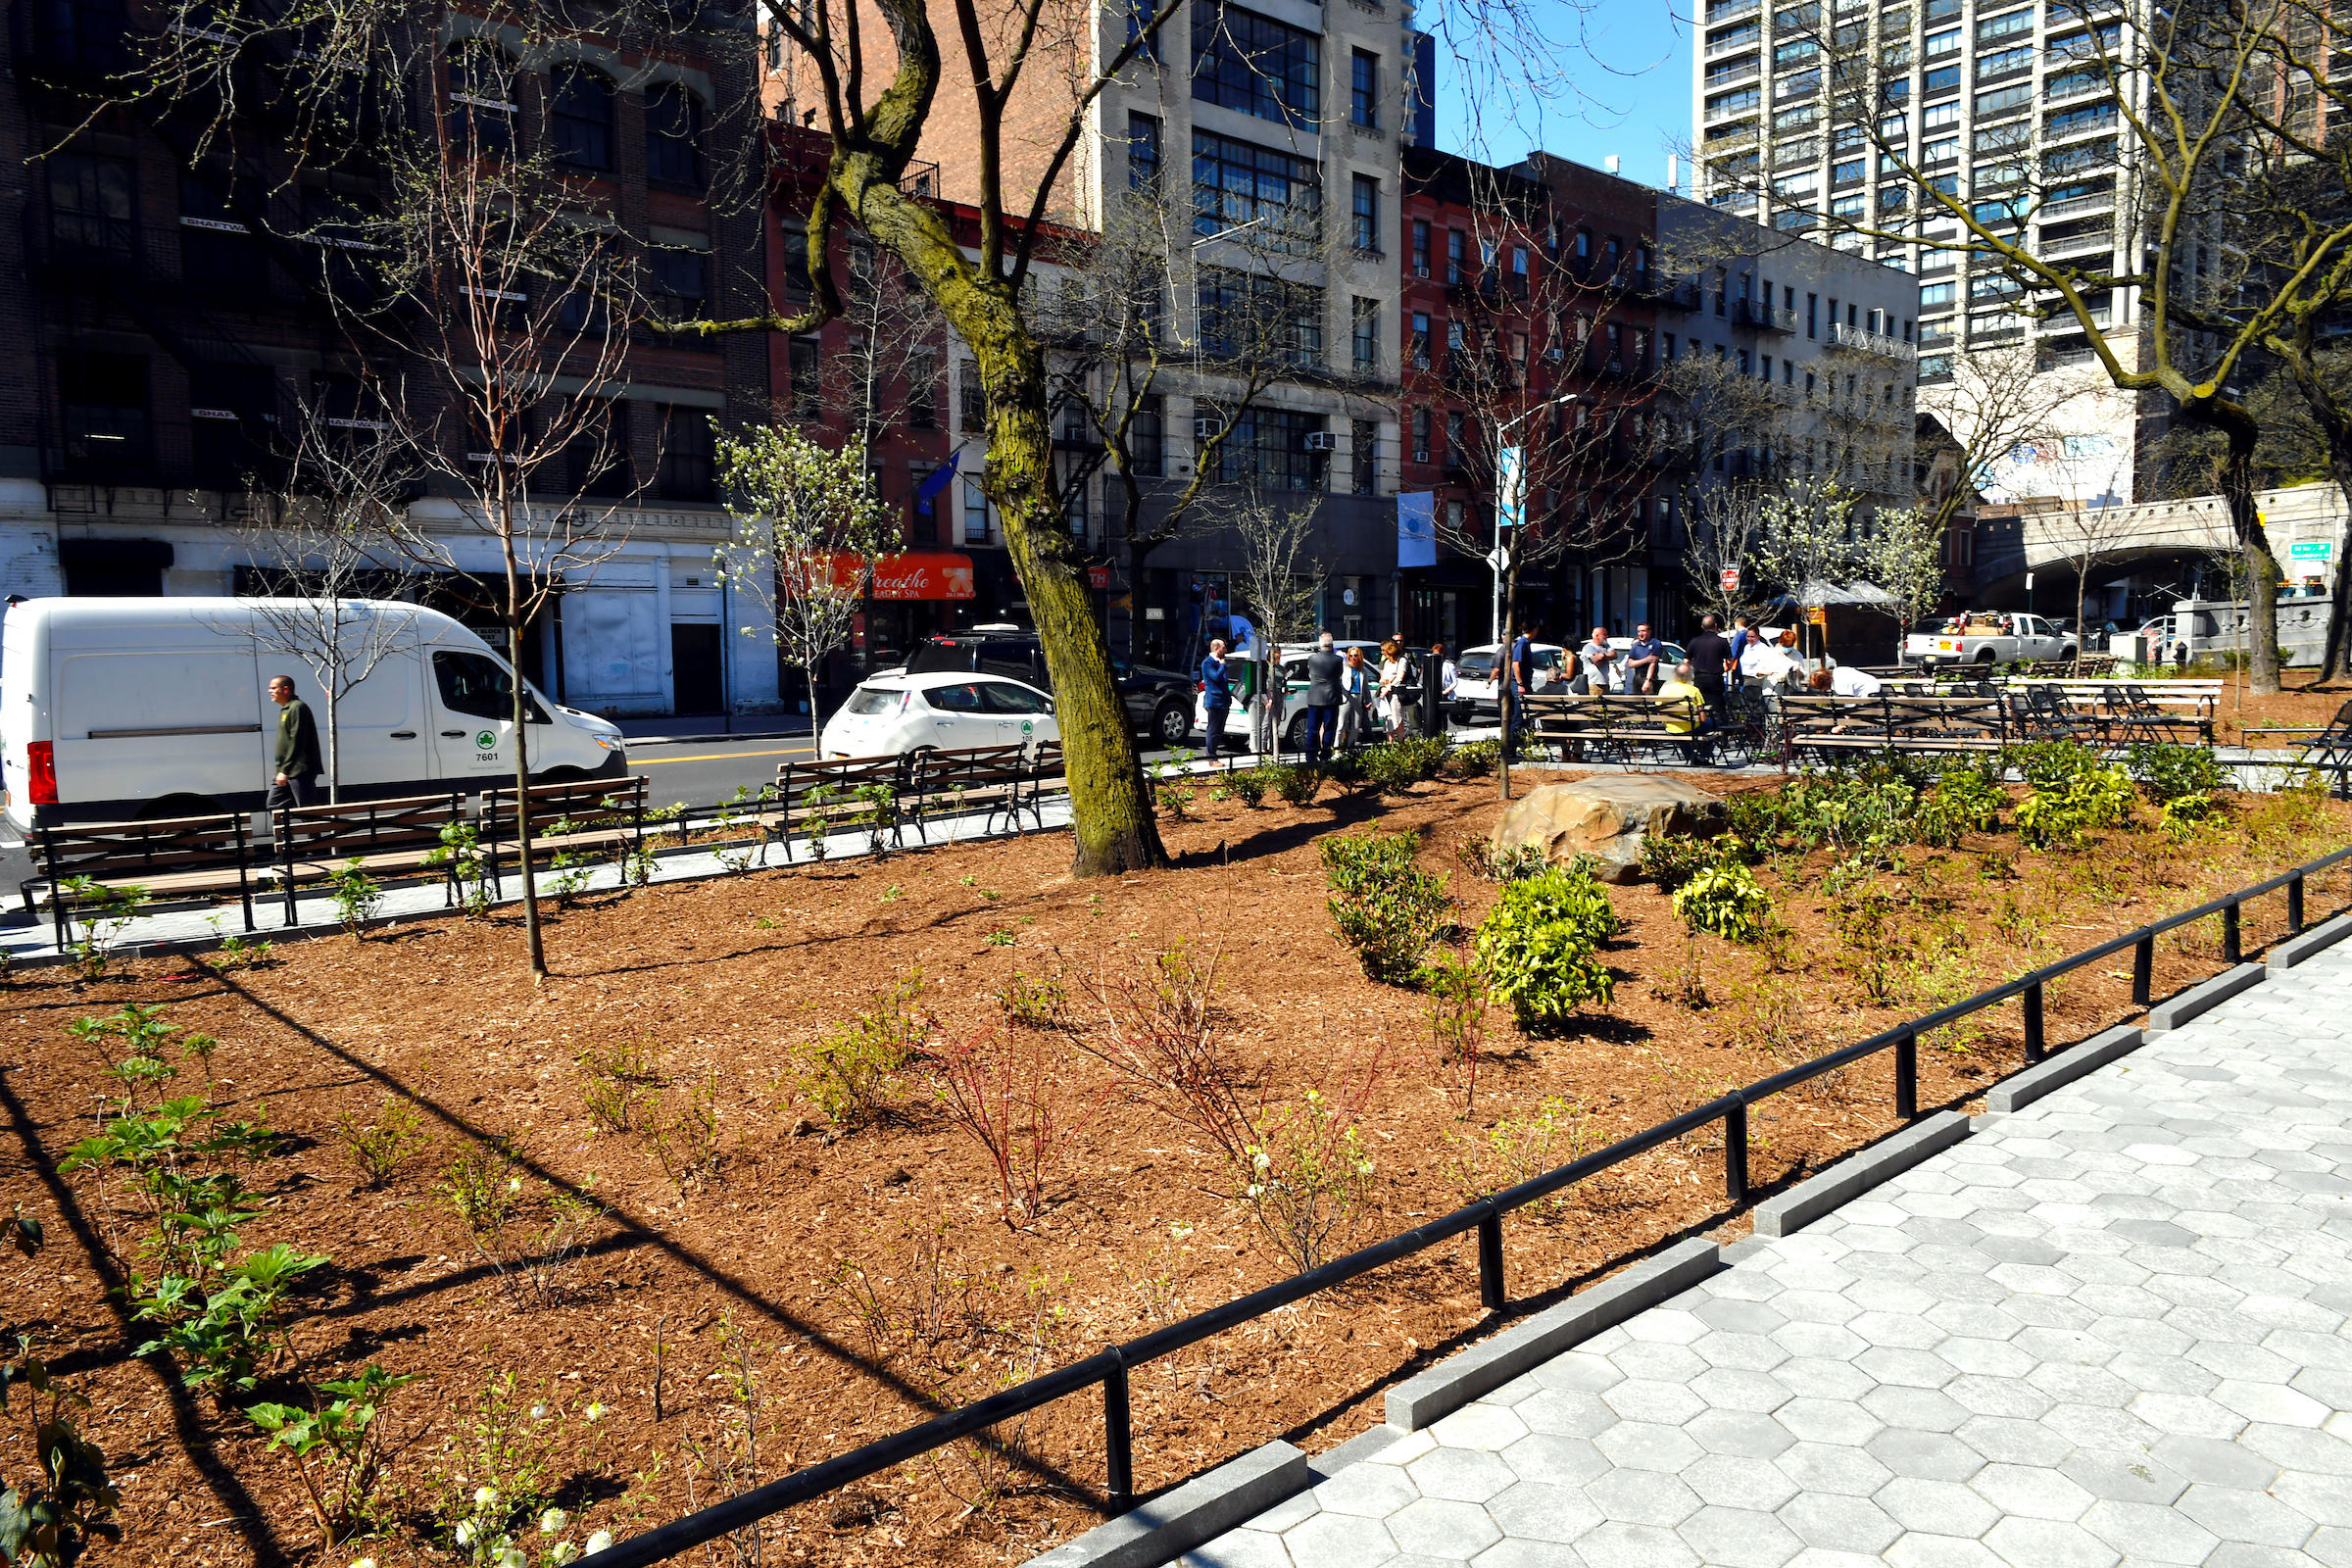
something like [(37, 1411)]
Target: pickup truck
[(1986, 640)]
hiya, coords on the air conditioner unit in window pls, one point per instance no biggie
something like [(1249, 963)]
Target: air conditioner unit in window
[(1322, 441), (1203, 429), (1555, 353), (1421, 270)]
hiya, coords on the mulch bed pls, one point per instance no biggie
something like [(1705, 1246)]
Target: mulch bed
[(867, 1278)]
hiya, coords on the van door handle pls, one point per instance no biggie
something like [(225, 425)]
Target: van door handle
[(404, 734), (453, 733)]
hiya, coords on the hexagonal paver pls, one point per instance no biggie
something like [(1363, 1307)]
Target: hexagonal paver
[(1741, 1432), (1239, 1549), (1337, 1541), (2255, 1517), (1841, 1523), (1534, 1512), (2048, 1543), (2146, 1532), (1554, 1461), (1480, 1426), (1925, 1550), (1644, 1445), (1643, 1497), (1460, 1475), (1367, 1491), (1436, 1528), (1620, 1544), (1839, 1421), (1568, 1413), (1739, 1537), (1640, 1400), (2030, 1493), (1729, 1480), (1936, 1507), (1925, 1455)]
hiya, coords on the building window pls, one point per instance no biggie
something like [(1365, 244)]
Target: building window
[(1237, 183), (597, 456), (103, 399), (975, 514), (1420, 435), (1267, 448), (922, 390), (1147, 439), (1456, 252), (481, 97), (688, 471), (682, 280), (1420, 247), (1366, 314), (1418, 345), (1364, 452), (89, 203), (674, 136), (1256, 64), (970, 410), (808, 386), (583, 118), (1249, 315), (1143, 153), (1364, 84), (1455, 448), (1367, 213)]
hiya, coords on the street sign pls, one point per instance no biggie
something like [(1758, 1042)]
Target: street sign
[(1731, 580), (2311, 549), (1500, 559)]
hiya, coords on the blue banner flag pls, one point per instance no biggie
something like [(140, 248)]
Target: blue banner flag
[(929, 491), (1417, 529)]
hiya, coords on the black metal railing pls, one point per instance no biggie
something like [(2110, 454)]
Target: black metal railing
[(1110, 1367)]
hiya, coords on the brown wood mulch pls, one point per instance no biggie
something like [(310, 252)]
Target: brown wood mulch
[(868, 1277)]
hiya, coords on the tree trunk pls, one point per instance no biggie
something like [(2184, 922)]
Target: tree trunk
[(533, 945), (1110, 805), (2336, 657), (2261, 566)]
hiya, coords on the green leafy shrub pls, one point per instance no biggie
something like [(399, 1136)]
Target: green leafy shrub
[(1476, 759), (616, 1084), (1306, 1175), (1671, 860), (1849, 811), (1482, 858), (1538, 945), (1397, 766), (848, 1073), (382, 1145), (1756, 817), (1385, 906), (1034, 1004), (2048, 765), (1249, 786), (1965, 801), (339, 1453), (2058, 817), (1725, 899), (357, 896), (2166, 773), (2184, 812), (225, 1328), (1296, 782)]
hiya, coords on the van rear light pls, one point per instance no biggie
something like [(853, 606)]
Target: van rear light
[(40, 764)]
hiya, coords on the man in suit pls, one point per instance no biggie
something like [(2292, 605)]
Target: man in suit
[(1325, 672)]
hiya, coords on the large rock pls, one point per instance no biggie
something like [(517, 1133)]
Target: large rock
[(1607, 819)]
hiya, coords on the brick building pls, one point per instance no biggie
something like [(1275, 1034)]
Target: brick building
[(173, 315)]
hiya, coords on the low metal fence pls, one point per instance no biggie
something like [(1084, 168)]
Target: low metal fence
[(1109, 1368)]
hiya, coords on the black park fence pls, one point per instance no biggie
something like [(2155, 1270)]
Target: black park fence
[(1108, 1369)]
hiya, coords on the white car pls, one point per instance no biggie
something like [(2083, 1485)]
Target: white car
[(1474, 696), (946, 710)]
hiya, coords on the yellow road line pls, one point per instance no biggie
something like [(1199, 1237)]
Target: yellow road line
[(714, 756)]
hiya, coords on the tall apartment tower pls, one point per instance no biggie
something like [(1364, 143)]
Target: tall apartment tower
[(1270, 137), (1986, 96)]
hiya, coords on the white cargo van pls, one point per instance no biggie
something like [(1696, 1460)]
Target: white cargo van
[(113, 709)]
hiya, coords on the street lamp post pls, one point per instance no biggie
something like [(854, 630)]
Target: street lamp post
[(1500, 557)]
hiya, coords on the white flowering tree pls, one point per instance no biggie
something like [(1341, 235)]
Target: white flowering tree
[(1808, 537), (808, 530), (1903, 554)]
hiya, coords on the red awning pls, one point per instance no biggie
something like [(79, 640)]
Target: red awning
[(916, 574)]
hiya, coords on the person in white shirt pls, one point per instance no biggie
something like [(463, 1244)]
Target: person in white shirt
[(1763, 660), (1845, 681)]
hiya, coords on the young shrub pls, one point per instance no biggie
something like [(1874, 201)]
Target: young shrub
[(1457, 1022), (1034, 1004), (1005, 1092), (106, 913), (1386, 907), (381, 1147), (1249, 786), (468, 864), (1474, 760), (1481, 858), (2049, 764), (2166, 773), (1757, 817), (849, 1072), (1965, 801), (1725, 899), (1306, 1175), (1670, 860), (2185, 813), (615, 1084), (1296, 783), (2058, 817), (1395, 766), (339, 1450), (1516, 1149), (1538, 946), (357, 896)]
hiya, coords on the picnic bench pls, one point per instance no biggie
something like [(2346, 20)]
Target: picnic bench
[(1822, 725), (591, 813), (389, 837), (1620, 726), (168, 857), (956, 780)]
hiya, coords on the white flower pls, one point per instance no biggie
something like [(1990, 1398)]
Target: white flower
[(513, 1184), (364, 1562), (562, 1552), (484, 1497), (594, 1412), (466, 1532), (598, 1542), (553, 1520), (538, 1412), (511, 1557), (1255, 1190), (1262, 1160)]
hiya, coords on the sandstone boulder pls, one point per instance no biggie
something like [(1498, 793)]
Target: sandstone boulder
[(1607, 818)]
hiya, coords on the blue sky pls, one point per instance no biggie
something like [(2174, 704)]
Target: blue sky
[(1629, 68)]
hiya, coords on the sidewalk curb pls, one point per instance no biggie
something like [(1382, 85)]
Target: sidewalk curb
[(2294, 949), (1198, 1511), (1854, 1175), (1489, 1364), (2079, 1062), (2202, 998)]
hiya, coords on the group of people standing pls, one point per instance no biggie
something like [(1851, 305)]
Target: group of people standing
[(1347, 693)]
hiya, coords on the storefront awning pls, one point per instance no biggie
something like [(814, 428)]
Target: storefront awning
[(915, 574)]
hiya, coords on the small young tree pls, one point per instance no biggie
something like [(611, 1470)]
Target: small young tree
[(1901, 552), (1808, 538), (325, 544), (809, 529), (1725, 526), (2083, 536)]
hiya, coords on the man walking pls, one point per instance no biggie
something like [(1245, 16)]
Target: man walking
[(1216, 693), (1519, 679), (1324, 671), (297, 756), (1707, 655)]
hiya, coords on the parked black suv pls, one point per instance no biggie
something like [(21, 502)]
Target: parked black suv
[(1160, 701)]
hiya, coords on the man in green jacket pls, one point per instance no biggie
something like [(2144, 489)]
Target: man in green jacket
[(297, 757)]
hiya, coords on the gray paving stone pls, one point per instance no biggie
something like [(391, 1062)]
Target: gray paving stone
[(2108, 1328)]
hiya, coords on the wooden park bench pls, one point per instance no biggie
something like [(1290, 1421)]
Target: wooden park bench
[(827, 792), (389, 837), (599, 814), (169, 858), (1620, 726), (957, 781), (1823, 726)]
